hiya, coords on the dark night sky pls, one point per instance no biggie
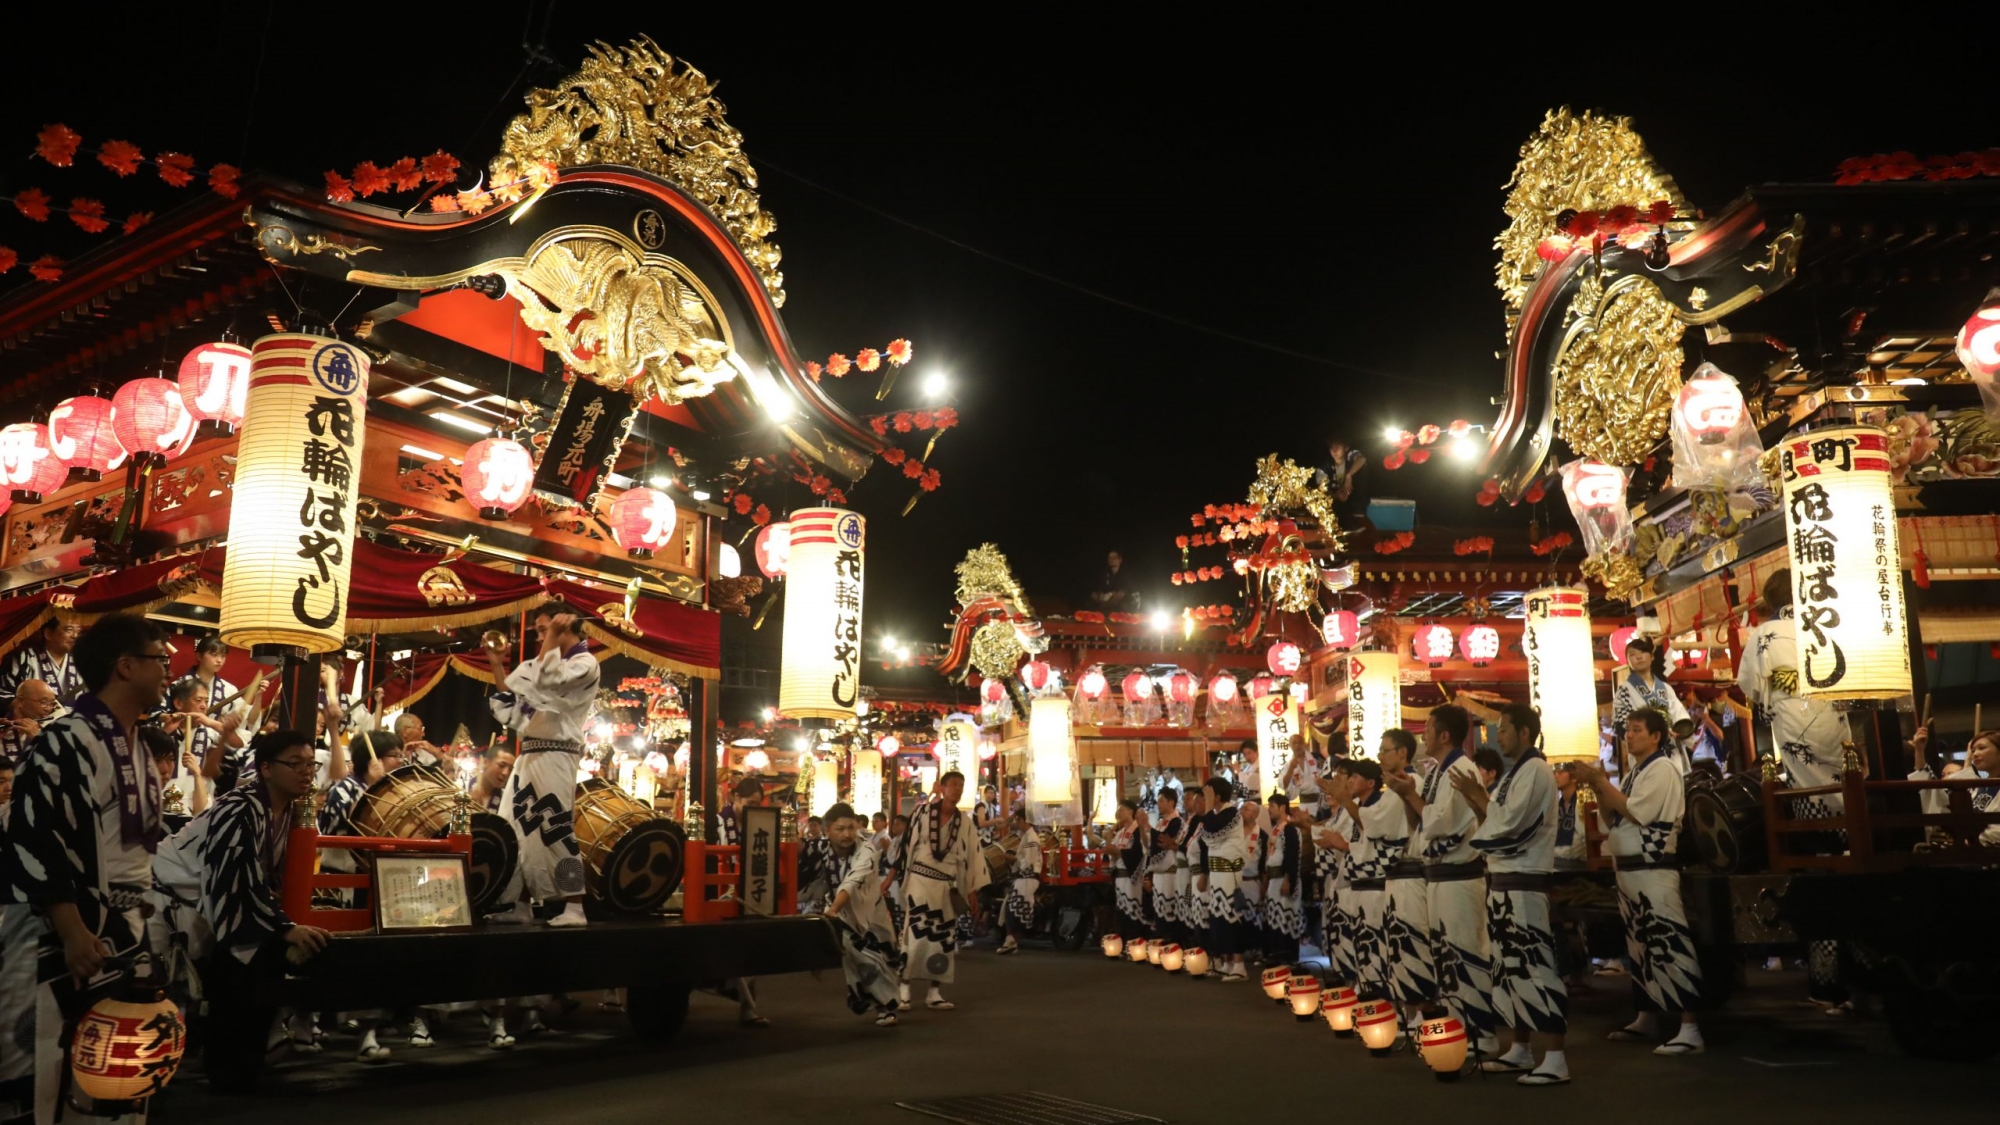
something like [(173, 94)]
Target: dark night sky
[(1328, 191)]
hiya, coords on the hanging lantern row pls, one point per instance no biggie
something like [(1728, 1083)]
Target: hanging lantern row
[(1435, 644)]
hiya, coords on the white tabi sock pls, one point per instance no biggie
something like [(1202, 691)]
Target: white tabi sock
[(1519, 1054), (1689, 1033), (1552, 1063), (934, 995)]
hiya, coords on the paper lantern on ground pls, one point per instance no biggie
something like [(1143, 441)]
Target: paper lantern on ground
[(1172, 958), (151, 420), (1113, 945), (1153, 952), (1276, 980), (1196, 960), (1303, 994), (1562, 678), (821, 673), (1342, 629), (1847, 570), (28, 467), (867, 782), (1374, 699), (1277, 722), (215, 385), (1135, 950), (773, 548), (1433, 644), (81, 436), (1375, 1022), (1282, 658), (643, 519), (298, 475), (126, 1050), (1051, 751), (1441, 1037), (957, 749), (825, 785), (1479, 644), (1337, 1004), (496, 476)]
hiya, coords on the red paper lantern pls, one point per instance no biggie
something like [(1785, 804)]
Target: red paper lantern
[(1434, 644), (1180, 687), (1137, 686), (496, 476), (80, 434), (214, 381), (1342, 629), (1979, 341), (1035, 674), (992, 691), (773, 547), (1222, 689), (1710, 405), (1261, 686), (987, 749), (1619, 639), (1596, 485), (1093, 685), (642, 520), (1282, 658), (27, 465), (151, 420), (888, 746), (1480, 644)]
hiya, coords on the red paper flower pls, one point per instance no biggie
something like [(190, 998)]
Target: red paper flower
[(57, 144), (813, 370), (930, 480), (32, 203), (1181, 541), (879, 425), (222, 180), (1419, 456), (339, 188), (868, 359), (368, 179), (1393, 461), (901, 422), (1582, 225), (1554, 248), (893, 455), (1428, 434), (742, 502), (761, 516), (1621, 216), (136, 220), (1536, 491), (819, 485), (1232, 640), (48, 267), (838, 365), (440, 167), (444, 201), (1661, 212), (8, 259), (404, 174), (913, 469), (176, 168), (1174, 578), (900, 352), (945, 418), (473, 200), (921, 419), (122, 157), (835, 496), (88, 214)]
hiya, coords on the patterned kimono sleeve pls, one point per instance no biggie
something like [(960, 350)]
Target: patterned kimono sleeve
[(238, 894), (52, 830), (510, 710), (861, 871), (565, 683), (336, 817), (975, 877), (18, 667), (1529, 799), (1622, 704), (1387, 827)]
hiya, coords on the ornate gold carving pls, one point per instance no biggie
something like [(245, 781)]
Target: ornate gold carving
[(1573, 162), (1697, 298), (181, 580), (442, 586), (1618, 573), (996, 649), (272, 240), (985, 573), (732, 595), (631, 105), (614, 615), (1285, 486), (1618, 371)]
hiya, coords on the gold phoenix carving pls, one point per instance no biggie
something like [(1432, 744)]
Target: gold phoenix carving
[(1618, 371)]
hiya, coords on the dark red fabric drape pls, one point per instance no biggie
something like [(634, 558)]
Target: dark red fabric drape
[(662, 633)]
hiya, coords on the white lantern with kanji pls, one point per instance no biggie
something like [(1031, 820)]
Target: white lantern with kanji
[(1480, 644), (773, 548), (1847, 570), (150, 419), (82, 437), (497, 475), (1342, 629), (1433, 644), (820, 677), (643, 520), (1051, 752), (1374, 699), (867, 782), (215, 384), (1277, 722), (958, 749), (1562, 675), (298, 477), (126, 1050), (825, 783)]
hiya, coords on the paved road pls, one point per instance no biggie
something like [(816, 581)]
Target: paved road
[(1079, 1026)]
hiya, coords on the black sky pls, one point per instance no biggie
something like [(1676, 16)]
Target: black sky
[(1329, 186)]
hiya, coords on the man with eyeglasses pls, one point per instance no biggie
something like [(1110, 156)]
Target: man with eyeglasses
[(83, 827)]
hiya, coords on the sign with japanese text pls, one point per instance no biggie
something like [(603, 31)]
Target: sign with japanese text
[(1277, 722), (958, 749), (591, 425), (1562, 671), (1374, 699), (758, 877), (820, 677), (1847, 571)]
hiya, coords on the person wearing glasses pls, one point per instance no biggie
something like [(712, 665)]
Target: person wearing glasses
[(82, 829)]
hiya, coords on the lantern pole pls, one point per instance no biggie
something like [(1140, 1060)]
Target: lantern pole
[(701, 751), (298, 679)]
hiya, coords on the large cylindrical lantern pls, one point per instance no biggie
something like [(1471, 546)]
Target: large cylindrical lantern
[(958, 749), (1847, 569), (81, 436), (28, 467), (215, 384), (1342, 629), (1479, 644), (1277, 722), (1374, 699), (496, 477), (126, 1050), (643, 521), (151, 420), (298, 474), (1441, 1038), (1103, 800), (773, 548), (821, 674), (825, 785), (1051, 752), (1433, 644), (1562, 677), (867, 782)]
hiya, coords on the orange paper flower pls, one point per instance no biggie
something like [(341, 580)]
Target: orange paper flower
[(136, 220), (368, 179), (894, 456), (32, 203), (404, 174), (868, 359), (222, 180), (176, 168), (900, 352), (913, 469), (761, 516), (444, 201), (48, 267), (57, 144), (339, 188), (838, 365), (813, 370), (473, 200), (88, 214), (742, 502), (440, 167), (122, 157)]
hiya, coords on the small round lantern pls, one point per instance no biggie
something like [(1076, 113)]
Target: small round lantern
[(215, 383), (1304, 996), (773, 548), (1709, 406), (1035, 674), (1375, 1022), (27, 465), (1434, 644), (1195, 958), (1153, 953), (1479, 644), (991, 692), (151, 421), (127, 1049), (1441, 1039), (1113, 945), (1337, 1004), (1342, 629), (1172, 958), (1180, 687), (642, 520), (81, 436), (888, 746), (1619, 639), (1261, 686), (1277, 979), (496, 476), (1135, 950), (1222, 689), (1093, 685), (1138, 686), (1282, 658)]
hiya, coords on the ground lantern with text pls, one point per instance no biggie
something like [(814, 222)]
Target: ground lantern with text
[(298, 474), (1847, 571), (825, 785), (1051, 751), (1374, 699), (958, 749), (821, 677), (1277, 722), (1562, 678)]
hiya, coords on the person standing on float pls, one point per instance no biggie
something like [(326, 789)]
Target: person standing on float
[(547, 699)]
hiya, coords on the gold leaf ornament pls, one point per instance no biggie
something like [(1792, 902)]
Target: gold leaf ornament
[(1618, 574), (1618, 371)]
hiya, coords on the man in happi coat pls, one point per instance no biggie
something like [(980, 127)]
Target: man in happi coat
[(1160, 848), (1284, 922), (942, 856), (1220, 878), (1382, 831), (1334, 838), (1642, 821), (1017, 910), (1406, 922), (49, 659), (547, 700), (868, 954), (77, 861), (1191, 912), (1517, 833)]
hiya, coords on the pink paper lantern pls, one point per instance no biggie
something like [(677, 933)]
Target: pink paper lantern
[(1180, 687), (215, 383), (1282, 658), (773, 548), (1222, 689), (1138, 686), (28, 466), (81, 436), (1035, 674), (1619, 639), (1262, 685), (1709, 406), (643, 521), (151, 420), (1434, 644), (1342, 629), (1093, 685), (1479, 644), (992, 692), (888, 746), (496, 476)]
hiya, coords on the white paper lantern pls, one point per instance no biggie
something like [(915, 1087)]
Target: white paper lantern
[(1277, 722), (1051, 752), (821, 676), (1562, 677), (298, 475), (1374, 699), (957, 749), (825, 785), (1847, 580), (867, 782), (1103, 800)]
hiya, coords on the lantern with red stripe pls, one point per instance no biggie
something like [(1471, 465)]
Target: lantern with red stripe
[(1282, 658), (773, 548), (1847, 580), (80, 434), (1182, 688), (1138, 686), (151, 421), (1377, 1024), (1709, 405), (496, 476), (1093, 685), (127, 1049), (1433, 644), (1222, 689), (1342, 629), (1562, 679), (27, 465), (642, 520), (1141, 705), (1441, 1039), (1479, 644), (1093, 702), (215, 383), (1225, 703), (1035, 675)]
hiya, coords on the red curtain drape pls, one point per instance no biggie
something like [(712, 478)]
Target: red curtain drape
[(661, 633)]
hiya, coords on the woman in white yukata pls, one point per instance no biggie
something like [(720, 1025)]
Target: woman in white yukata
[(1131, 841)]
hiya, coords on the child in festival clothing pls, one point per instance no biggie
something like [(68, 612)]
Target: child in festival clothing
[(868, 951)]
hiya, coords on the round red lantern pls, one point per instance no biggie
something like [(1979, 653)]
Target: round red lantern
[(27, 465), (81, 436), (496, 476), (774, 549), (1035, 674), (1619, 639), (992, 692), (1180, 687), (214, 382), (1138, 686), (642, 520), (1282, 658), (1433, 644), (1479, 644), (1595, 484), (125, 1050), (151, 421), (1222, 689), (1979, 341), (888, 746), (987, 749), (1093, 685), (1261, 686), (1342, 629), (1709, 406)]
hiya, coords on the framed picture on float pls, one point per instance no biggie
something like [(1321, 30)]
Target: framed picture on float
[(421, 892)]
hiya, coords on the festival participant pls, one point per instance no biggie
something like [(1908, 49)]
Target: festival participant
[(1219, 882), (48, 660), (410, 732), (1517, 834), (1406, 922), (1191, 912), (894, 862), (1642, 819), (1639, 687), (547, 700), (85, 821), (206, 735), (1132, 841), (496, 765), (942, 857), (990, 818), (747, 792), (1248, 778), (1019, 908), (1160, 881), (1284, 885), (34, 704), (374, 754), (1381, 832), (6, 804), (1490, 765), (1256, 840), (217, 694), (1982, 756), (1572, 847), (1334, 838), (868, 952), (878, 830), (1456, 876)]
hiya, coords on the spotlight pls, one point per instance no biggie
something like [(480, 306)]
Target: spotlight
[(1393, 434), (935, 385), (1463, 449), (1161, 620)]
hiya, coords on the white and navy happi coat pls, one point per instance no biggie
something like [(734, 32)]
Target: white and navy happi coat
[(1225, 853), (1284, 913), (869, 957), (1632, 694), (33, 662), (1806, 734), (1459, 949), (1644, 847), (1385, 833), (1128, 888), (242, 847), (1019, 906), (942, 855), (1518, 838), (1406, 925), (547, 700)]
